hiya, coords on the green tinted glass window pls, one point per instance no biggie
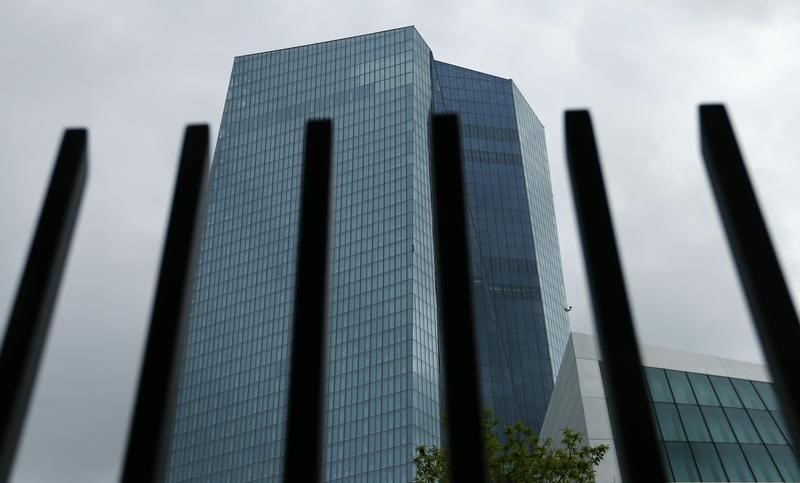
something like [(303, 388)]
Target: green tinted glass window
[(747, 394), (681, 462), (718, 425), (693, 423), (766, 426), (778, 417), (681, 389), (734, 463), (725, 392), (761, 463), (767, 393), (742, 426), (708, 463), (786, 461), (659, 387), (669, 422), (703, 390)]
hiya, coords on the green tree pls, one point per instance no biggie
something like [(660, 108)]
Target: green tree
[(520, 457)]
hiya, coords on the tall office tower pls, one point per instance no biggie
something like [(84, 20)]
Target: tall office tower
[(522, 328), (383, 381)]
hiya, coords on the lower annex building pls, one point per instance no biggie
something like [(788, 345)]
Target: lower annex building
[(717, 419), (383, 379)]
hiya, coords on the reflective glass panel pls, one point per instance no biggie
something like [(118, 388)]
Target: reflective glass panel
[(703, 390), (761, 463), (669, 422), (767, 429), (681, 462), (681, 389), (767, 393), (659, 388), (718, 425), (747, 394), (742, 426), (778, 417), (725, 392), (693, 423), (708, 463), (785, 459), (733, 460)]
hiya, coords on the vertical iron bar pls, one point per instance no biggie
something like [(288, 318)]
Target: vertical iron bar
[(767, 294), (30, 316), (148, 441), (454, 286), (304, 428), (632, 420)]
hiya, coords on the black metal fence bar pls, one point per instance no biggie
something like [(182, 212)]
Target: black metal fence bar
[(767, 294), (454, 286), (151, 427), (629, 404), (310, 332), (30, 316)]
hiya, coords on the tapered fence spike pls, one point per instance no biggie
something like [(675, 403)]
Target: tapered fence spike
[(30, 317), (464, 431), (771, 307), (635, 436), (304, 428), (154, 410)]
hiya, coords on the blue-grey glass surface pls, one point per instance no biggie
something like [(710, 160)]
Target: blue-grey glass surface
[(383, 373), (383, 376), (733, 427), (521, 324)]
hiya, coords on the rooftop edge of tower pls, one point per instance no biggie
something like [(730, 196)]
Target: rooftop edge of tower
[(407, 27)]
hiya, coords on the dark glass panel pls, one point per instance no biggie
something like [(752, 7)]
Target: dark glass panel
[(659, 388), (708, 462), (681, 462), (742, 426), (786, 461), (669, 422), (767, 429), (718, 425), (778, 417), (703, 390), (747, 394), (681, 389), (761, 463), (693, 423), (725, 392), (734, 463), (767, 393), (665, 461)]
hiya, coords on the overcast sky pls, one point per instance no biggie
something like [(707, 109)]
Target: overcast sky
[(136, 72)]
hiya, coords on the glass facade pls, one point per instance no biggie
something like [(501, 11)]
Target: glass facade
[(519, 291), (383, 381), (717, 428)]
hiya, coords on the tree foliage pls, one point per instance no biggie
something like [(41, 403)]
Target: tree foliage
[(520, 457)]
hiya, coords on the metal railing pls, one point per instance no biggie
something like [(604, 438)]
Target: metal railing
[(634, 432)]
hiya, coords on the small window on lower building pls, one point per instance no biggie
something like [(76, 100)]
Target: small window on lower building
[(761, 463), (681, 462), (734, 463), (786, 461), (708, 463)]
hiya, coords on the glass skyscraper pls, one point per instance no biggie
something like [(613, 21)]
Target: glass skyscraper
[(383, 379)]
